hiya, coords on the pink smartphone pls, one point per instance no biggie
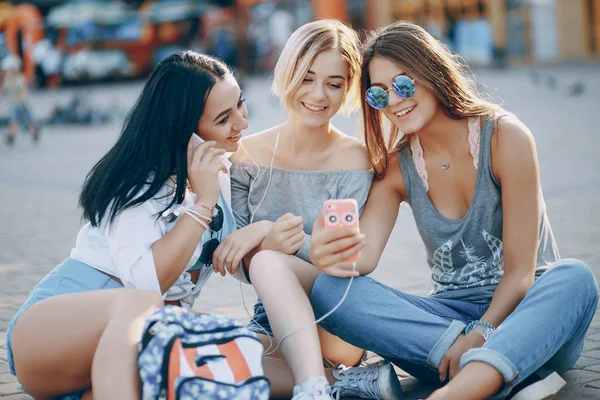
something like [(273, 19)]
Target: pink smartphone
[(340, 214)]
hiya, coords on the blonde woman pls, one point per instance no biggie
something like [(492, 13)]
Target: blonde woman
[(504, 310), (284, 175)]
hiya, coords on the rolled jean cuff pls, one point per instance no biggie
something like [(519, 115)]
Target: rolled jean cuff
[(444, 343), (502, 364)]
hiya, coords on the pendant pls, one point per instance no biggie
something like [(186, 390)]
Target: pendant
[(445, 166)]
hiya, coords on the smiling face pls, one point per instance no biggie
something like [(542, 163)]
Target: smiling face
[(224, 116), (322, 91), (409, 115)]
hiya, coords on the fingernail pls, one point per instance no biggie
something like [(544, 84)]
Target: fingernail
[(362, 244), (441, 379)]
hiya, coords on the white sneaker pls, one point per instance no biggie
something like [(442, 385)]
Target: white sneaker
[(375, 381), (313, 389), (543, 389)]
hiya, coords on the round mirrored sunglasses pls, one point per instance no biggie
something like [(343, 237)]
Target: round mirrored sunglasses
[(403, 86)]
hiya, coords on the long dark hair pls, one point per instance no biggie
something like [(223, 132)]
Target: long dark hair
[(428, 61), (153, 142)]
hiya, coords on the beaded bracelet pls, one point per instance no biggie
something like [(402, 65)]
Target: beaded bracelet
[(484, 328), (199, 215), (198, 220)]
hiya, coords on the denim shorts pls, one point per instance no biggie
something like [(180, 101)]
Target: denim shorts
[(72, 276), (260, 321)]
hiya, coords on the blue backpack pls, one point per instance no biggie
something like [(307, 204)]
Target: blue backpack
[(184, 355)]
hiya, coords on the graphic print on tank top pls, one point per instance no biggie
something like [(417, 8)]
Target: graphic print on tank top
[(474, 271)]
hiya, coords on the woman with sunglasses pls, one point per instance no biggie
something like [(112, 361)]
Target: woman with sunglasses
[(504, 310), (153, 203), (282, 176)]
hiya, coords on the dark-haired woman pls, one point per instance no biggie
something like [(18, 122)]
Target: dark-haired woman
[(157, 206)]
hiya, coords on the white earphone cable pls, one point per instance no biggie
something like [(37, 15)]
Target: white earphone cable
[(252, 214), (268, 351)]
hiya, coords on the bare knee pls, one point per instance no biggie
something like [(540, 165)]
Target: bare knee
[(266, 263)]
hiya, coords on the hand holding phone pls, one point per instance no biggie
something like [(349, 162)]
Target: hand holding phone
[(341, 214), (204, 164)]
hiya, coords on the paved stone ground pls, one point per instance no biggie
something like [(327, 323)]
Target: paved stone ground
[(39, 185)]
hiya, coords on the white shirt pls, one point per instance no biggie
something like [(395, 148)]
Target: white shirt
[(123, 248)]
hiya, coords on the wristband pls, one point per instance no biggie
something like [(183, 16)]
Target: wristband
[(485, 329), (199, 215), (198, 220)]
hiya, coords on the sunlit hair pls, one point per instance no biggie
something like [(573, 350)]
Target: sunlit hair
[(301, 49), (431, 64)]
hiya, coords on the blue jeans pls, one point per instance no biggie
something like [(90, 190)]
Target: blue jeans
[(546, 330)]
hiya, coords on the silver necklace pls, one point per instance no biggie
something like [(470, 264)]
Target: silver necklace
[(445, 166)]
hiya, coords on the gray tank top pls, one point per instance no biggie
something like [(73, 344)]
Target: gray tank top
[(465, 255)]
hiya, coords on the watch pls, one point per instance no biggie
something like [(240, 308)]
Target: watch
[(485, 329)]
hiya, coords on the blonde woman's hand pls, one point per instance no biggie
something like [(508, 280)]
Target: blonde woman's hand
[(204, 164), (286, 235), (329, 249)]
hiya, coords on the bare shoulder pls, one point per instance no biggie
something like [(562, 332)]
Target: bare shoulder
[(256, 145), (513, 146), (351, 153), (511, 135)]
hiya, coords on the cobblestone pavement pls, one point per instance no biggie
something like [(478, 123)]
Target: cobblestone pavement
[(39, 184)]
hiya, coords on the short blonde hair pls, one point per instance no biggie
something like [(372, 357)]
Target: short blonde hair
[(301, 49)]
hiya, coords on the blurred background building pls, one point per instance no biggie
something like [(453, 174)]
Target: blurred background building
[(63, 42), (518, 31)]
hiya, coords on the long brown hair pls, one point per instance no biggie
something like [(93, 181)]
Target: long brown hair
[(430, 63)]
